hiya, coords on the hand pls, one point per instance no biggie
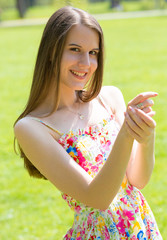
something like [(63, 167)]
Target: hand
[(143, 102), (138, 117)]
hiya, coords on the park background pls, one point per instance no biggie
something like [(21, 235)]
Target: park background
[(135, 61)]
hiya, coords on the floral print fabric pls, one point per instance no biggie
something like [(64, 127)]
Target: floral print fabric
[(128, 216)]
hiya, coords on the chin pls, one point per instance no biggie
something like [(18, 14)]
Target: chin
[(79, 88), (75, 86)]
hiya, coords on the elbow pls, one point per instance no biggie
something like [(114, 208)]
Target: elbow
[(138, 180), (140, 184), (103, 206), (99, 203), (100, 206)]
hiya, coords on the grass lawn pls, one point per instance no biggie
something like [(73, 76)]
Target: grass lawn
[(39, 11), (136, 57)]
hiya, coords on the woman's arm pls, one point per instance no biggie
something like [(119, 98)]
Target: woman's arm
[(51, 159), (141, 163)]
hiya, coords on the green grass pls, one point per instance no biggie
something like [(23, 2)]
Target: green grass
[(136, 57), (39, 11)]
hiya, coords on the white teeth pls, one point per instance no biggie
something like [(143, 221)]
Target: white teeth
[(78, 74)]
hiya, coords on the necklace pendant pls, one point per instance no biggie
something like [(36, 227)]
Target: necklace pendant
[(81, 116)]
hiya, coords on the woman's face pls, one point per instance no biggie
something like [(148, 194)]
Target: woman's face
[(80, 57)]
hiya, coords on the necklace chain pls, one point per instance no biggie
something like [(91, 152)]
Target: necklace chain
[(80, 115)]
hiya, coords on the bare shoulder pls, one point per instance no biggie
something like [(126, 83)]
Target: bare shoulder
[(28, 128), (22, 125), (113, 97), (110, 89)]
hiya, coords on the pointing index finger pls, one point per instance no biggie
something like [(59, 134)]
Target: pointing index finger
[(142, 96)]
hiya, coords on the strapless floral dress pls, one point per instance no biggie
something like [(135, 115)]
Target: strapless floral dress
[(129, 215)]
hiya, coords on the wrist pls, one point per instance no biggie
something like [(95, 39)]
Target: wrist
[(149, 140), (125, 133)]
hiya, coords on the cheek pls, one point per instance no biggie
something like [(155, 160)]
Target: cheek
[(94, 64), (68, 59)]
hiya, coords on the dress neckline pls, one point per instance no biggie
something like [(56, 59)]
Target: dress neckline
[(88, 129)]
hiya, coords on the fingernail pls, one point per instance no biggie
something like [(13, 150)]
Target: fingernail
[(131, 109), (152, 114), (150, 101)]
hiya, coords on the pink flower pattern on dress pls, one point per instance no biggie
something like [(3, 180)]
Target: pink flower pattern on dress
[(129, 215)]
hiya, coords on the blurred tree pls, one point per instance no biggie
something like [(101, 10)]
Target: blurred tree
[(114, 3), (22, 6), (31, 3), (97, 1), (157, 3)]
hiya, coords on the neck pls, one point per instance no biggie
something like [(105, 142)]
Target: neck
[(68, 97)]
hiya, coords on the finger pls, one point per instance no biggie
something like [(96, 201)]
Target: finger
[(142, 96), (146, 103), (132, 132), (147, 118), (132, 123), (147, 109), (137, 123), (151, 114)]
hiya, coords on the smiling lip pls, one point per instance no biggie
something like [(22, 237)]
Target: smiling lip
[(79, 75)]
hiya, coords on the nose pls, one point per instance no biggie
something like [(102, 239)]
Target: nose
[(84, 60)]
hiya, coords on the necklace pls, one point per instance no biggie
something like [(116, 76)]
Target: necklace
[(80, 115)]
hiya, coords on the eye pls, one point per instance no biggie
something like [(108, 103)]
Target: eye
[(75, 49), (94, 53)]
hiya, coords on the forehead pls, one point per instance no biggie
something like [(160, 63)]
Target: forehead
[(83, 36)]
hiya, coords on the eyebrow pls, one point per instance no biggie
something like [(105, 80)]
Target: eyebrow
[(74, 44)]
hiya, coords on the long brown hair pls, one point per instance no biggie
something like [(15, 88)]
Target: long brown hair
[(47, 68)]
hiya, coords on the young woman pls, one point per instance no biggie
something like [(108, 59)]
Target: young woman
[(81, 137)]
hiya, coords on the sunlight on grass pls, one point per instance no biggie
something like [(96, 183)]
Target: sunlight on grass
[(136, 57), (44, 11)]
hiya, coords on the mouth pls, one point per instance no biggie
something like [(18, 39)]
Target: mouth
[(78, 74)]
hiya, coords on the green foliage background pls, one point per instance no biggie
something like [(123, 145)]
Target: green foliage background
[(136, 57)]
